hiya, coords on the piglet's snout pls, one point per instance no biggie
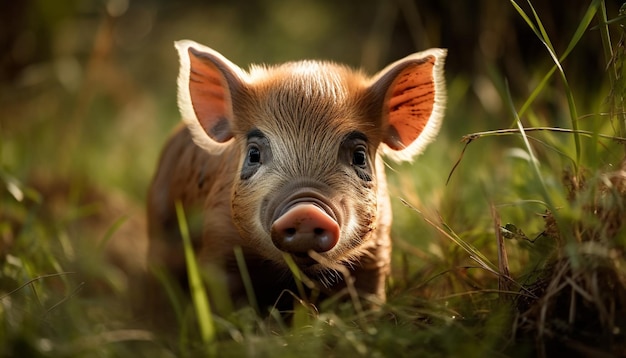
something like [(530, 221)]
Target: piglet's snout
[(303, 227)]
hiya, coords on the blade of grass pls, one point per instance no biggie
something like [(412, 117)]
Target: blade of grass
[(616, 96), (543, 37), (582, 27), (507, 131), (561, 224), (34, 280), (539, 30), (542, 30), (110, 231), (297, 274), (170, 291), (573, 42), (450, 234), (65, 299), (503, 259), (533, 160), (245, 277), (606, 41), (198, 293)]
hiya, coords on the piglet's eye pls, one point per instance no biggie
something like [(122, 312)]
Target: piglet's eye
[(254, 155), (359, 157)]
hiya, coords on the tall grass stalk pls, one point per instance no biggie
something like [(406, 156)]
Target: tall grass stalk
[(196, 287), (541, 33), (616, 79), (449, 233), (245, 277)]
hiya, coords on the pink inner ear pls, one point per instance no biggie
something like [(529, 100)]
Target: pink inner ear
[(209, 97), (411, 101)]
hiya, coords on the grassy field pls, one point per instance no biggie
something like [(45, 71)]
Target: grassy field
[(508, 231)]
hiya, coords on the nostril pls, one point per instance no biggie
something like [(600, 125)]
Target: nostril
[(305, 227)]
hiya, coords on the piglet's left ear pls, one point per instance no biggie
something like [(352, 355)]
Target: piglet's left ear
[(413, 102)]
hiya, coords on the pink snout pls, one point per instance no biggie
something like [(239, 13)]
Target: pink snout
[(304, 227)]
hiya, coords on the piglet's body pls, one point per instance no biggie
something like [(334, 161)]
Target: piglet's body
[(286, 160)]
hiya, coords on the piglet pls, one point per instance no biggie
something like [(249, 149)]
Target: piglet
[(286, 161)]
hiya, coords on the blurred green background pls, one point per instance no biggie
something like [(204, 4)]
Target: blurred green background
[(88, 87), (88, 98)]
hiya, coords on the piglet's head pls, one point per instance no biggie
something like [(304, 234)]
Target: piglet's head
[(307, 137)]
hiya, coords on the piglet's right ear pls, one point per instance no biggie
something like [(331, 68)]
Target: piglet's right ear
[(207, 82), (411, 97)]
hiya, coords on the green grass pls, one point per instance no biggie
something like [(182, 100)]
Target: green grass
[(508, 234)]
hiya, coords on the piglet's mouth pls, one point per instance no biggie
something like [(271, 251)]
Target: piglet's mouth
[(303, 260)]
